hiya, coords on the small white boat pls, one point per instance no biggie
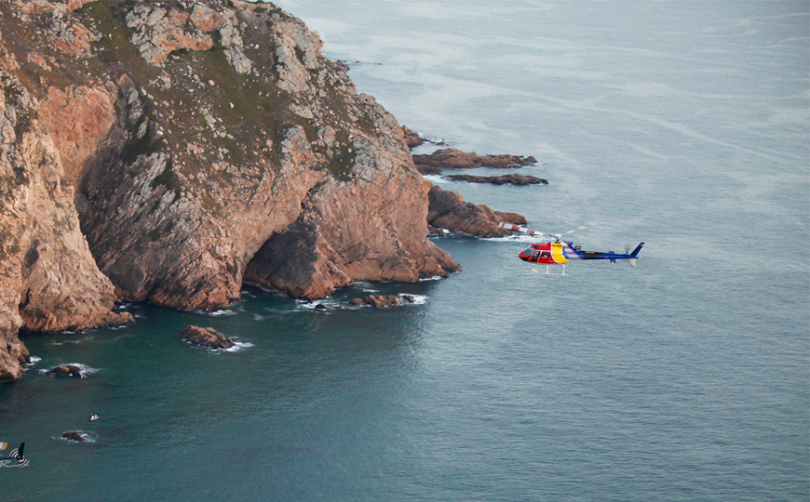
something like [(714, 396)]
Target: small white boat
[(93, 418)]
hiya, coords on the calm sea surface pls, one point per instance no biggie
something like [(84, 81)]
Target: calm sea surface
[(682, 124)]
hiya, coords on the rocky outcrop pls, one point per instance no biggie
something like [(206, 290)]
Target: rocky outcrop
[(448, 210), (168, 151), (412, 139), (382, 300), (73, 436), (68, 370), (452, 158), (509, 179), (207, 337)]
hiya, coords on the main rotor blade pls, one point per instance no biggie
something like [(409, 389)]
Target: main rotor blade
[(516, 228), (581, 227)]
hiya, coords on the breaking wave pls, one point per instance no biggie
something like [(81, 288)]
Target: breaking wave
[(72, 341), (239, 346), (34, 360)]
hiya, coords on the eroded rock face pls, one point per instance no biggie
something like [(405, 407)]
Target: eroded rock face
[(207, 337), (50, 281), (168, 150)]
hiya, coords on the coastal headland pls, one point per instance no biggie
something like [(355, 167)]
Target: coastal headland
[(169, 151)]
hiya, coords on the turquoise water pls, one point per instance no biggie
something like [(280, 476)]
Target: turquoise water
[(682, 124)]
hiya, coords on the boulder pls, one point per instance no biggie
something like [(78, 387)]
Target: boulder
[(67, 370), (207, 337)]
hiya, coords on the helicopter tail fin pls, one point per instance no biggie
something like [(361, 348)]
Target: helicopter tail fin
[(635, 252)]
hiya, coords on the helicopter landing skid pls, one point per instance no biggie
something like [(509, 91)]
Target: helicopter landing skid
[(550, 273)]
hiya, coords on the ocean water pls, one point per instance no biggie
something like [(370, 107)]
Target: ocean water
[(682, 124)]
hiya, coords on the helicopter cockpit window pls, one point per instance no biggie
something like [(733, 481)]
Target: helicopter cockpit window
[(545, 254), (528, 250)]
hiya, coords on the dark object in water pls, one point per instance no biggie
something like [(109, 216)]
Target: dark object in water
[(73, 436), (67, 370)]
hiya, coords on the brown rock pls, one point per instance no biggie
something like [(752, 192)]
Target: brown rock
[(68, 370), (512, 179), (453, 158), (412, 138), (427, 170), (448, 210), (207, 337), (382, 300)]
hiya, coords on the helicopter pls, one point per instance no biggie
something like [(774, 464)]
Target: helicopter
[(558, 252), (16, 455)]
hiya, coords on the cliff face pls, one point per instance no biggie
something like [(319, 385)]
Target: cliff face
[(170, 150)]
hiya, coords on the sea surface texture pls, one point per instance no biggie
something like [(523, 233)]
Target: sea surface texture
[(681, 124)]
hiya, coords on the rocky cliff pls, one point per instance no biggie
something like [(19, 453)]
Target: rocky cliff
[(170, 150)]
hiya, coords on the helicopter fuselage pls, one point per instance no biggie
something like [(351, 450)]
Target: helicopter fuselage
[(560, 253)]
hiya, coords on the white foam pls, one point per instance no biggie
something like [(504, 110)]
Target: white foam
[(417, 300), (312, 305), (238, 346), (435, 178), (34, 360), (72, 341), (434, 278), (516, 238), (218, 313)]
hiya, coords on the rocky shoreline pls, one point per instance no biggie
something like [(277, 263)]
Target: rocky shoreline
[(170, 151)]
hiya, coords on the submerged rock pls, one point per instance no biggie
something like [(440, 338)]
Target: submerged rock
[(383, 300), (73, 436), (67, 370), (207, 337)]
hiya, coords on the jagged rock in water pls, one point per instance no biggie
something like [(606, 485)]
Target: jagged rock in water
[(150, 150), (453, 158), (448, 210), (67, 370), (511, 179), (207, 337), (73, 436), (382, 300)]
